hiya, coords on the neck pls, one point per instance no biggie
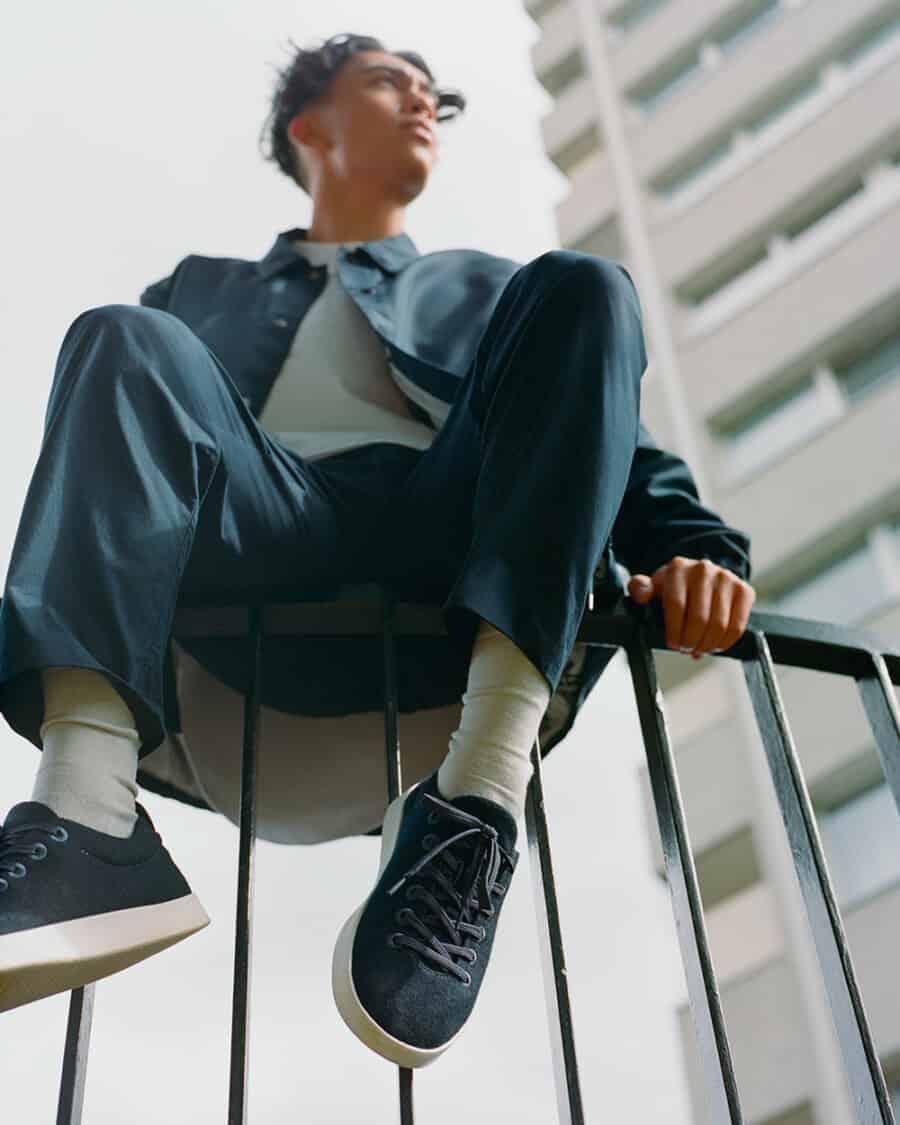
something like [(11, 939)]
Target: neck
[(354, 219)]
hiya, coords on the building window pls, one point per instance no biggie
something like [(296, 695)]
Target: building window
[(560, 77), (861, 841), (779, 425), (706, 54), (868, 366), (869, 39), (651, 95), (629, 15), (748, 24), (718, 281), (844, 593), (757, 437)]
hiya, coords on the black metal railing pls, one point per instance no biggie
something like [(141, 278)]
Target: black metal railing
[(769, 639)]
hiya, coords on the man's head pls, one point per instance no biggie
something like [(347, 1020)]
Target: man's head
[(346, 111)]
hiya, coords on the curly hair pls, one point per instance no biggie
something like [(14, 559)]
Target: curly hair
[(308, 76)]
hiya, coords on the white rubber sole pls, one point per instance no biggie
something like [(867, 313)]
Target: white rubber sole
[(64, 955), (348, 1003)]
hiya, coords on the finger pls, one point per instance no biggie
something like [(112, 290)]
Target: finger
[(741, 604), (674, 598), (716, 630), (700, 583)]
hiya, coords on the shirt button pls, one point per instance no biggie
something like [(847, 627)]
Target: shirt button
[(280, 322)]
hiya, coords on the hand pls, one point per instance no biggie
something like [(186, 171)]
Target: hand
[(706, 606)]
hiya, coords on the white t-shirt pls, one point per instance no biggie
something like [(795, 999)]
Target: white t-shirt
[(318, 778), (334, 391)]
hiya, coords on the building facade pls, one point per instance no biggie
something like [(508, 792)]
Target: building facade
[(742, 159)]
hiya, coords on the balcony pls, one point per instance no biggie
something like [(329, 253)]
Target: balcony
[(842, 273), (591, 201), (668, 31), (790, 503), (556, 56), (570, 129), (802, 40), (852, 129)]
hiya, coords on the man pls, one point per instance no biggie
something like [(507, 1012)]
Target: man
[(455, 425)]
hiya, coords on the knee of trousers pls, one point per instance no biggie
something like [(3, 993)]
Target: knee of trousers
[(600, 292), (111, 343), (589, 277)]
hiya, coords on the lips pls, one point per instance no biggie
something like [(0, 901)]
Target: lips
[(422, 131)]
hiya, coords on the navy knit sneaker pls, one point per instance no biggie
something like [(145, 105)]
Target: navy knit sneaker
[(409, 962), (77, 904)]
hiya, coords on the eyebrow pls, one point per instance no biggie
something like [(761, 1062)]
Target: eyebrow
[(428, 85)]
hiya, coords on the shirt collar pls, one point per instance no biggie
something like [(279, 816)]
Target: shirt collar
[(391, 253)]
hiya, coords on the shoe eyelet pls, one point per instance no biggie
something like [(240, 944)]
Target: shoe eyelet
[(483, 934), (39, 851), (391, 942), (18, 871), (432, 818), (474, 956), (468, 980), (59, 834)]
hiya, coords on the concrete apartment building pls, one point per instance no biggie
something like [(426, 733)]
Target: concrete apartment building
[(742, 159)]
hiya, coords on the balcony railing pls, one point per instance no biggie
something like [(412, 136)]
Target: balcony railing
[(770, 639)]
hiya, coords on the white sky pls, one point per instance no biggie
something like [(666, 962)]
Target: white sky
[(129, 136)]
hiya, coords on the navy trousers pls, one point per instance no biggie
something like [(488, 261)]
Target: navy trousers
[(154, 484)]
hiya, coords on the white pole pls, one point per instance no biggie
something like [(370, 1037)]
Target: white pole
[(831, 1097)]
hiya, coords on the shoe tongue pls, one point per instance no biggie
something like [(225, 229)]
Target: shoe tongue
[(491, 813), (29, 812)]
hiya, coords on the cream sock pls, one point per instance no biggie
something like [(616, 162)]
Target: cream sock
[(89, 763), (504, 702)]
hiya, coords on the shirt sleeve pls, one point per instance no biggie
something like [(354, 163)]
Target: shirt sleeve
[(661, 516)]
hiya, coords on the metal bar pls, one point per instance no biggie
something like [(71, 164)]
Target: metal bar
[(796, 641), (75, 1056), (394, 783), (867, 1085), (240, 1011), (569, 1103), (884, 718), (681, 875)]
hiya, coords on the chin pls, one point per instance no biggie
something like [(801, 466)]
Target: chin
[(412, 187)]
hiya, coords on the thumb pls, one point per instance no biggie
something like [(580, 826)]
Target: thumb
[(641, 585)]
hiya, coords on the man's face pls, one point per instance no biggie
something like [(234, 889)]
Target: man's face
[(365, 127)]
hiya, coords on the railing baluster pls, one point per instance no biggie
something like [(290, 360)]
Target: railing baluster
[(553, 962), (795, 642), (681, 875), (880, 705), (240, 1011), (394, 780), (75, 1056), (864, 1073)]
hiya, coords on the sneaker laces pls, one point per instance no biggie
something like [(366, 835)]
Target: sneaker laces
[(15, 842), (465, 887)]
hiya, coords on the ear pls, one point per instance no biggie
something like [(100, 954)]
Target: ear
[(301, 128)]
